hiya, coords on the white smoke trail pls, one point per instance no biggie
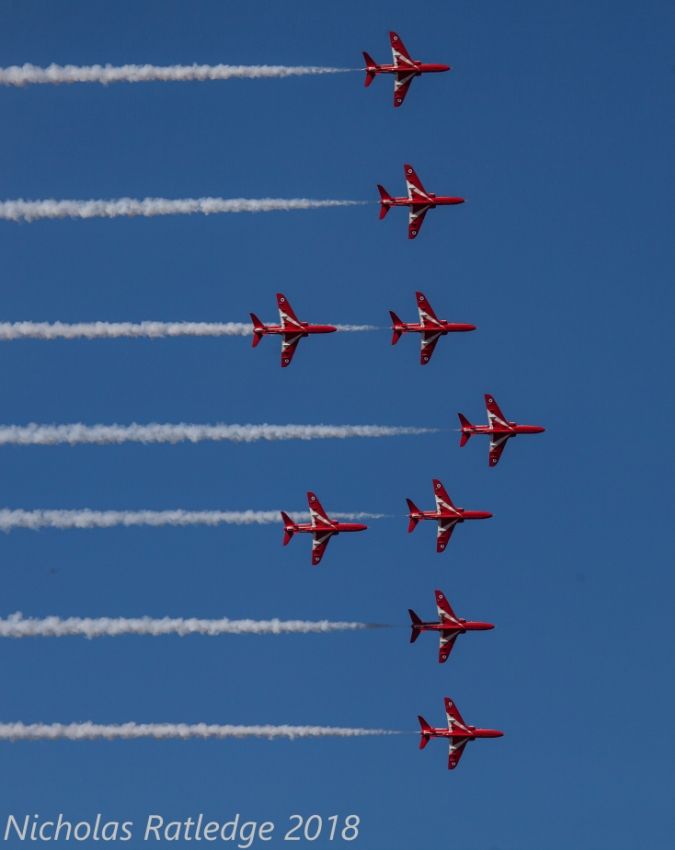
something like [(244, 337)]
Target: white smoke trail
[(81, 519), (20, 210), (148, 330), (113, 330), (22, 75), (16, 626), (357, 328), (79, 434), (163, 731)]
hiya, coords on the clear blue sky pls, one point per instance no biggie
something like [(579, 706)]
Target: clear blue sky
[(557, 126)]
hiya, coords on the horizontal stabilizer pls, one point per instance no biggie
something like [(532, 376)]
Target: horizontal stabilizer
[(415, 624), (371, 66), (425, 732), (396, 323), (258, 328), (385, 200), (466, 429), (413, 509), (289, 528)]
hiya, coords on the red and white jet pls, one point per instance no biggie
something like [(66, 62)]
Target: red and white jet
[(499, 428), (446, 515), (458, 733), (449, 626), (430, 326), (291, 329), (320, 526), (405, 68), (418, 199)]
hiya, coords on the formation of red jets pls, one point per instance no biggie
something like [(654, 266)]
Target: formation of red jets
[(499, 429), (292, 330)]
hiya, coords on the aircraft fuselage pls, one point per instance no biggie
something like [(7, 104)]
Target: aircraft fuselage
[(334, 528), (460, 516), (305, 329), (471, 734), (465, 626), (419, 69), (430, 201), (442, 327), (513, 429)]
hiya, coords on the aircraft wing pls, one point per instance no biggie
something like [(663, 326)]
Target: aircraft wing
[(443, 501), (416, 217), (402, 82), (429, 339), (494, 413), (497, 445), (286, 314), (447, 642), (318, 515), (426, 311), (455, 719), (399, 55), (445, 612), (416, 191), (289, 342), (444, 533), (455, 751), (320, 540)]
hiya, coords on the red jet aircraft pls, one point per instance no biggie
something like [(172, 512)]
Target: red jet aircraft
[(320, 525), (449, 626), (499, 428), (290, 328), (430, 326), (405, 68), (446, 515), (419, 200), (458, 733)]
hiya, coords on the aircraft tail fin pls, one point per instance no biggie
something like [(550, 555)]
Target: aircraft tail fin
[(289, 528), (466, 429), (371, 68), (386, 200), (413, 515), (425, 732), (415, 624), (258, 328), (396, 327)]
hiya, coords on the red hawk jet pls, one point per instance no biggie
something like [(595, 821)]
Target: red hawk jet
[(449, 626), (499, 428), (290, 328), (430, 326), (446, 515), (320, 525), (418, 199), (458, 733), (405, 68)]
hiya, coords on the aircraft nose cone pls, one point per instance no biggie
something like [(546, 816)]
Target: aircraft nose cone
[(445, 67)]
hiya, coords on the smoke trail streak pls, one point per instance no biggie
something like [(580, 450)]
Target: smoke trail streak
[(113, 330), (148, 330), (163, 731), (79, 434), (34, 520), (20, 210), (27, 74), (16, 626)]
